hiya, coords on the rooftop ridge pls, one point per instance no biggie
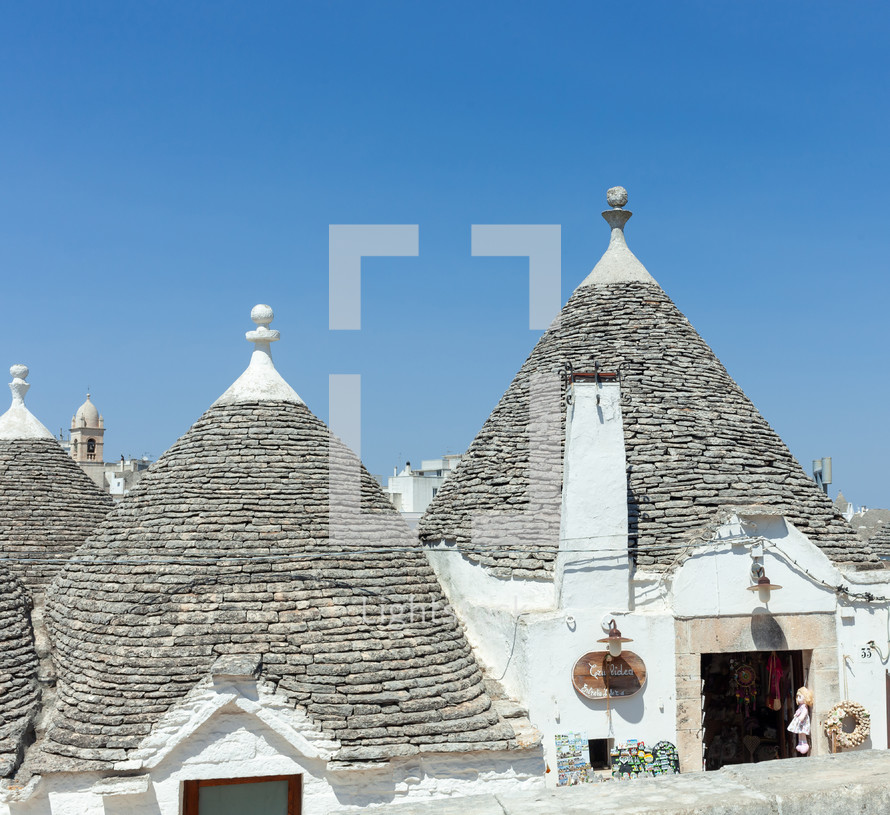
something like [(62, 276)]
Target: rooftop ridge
[(260, 381), (18, 422)]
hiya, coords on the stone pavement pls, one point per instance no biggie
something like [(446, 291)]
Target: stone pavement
[(856, 782)]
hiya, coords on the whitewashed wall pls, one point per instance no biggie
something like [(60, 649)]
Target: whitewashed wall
[(530, 633), (233, 743)]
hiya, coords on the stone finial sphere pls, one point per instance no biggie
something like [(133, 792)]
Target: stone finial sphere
[(262, 314), (616, 196), (19, 371)]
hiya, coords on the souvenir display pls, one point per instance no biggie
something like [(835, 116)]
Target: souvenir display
[(667, 760), (572, 759), (628, 759), (633, 759), (748, 700), (833, 726), (800, 724)]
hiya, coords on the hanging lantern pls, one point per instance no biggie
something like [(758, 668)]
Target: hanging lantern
[(762, 584), (614, 640)]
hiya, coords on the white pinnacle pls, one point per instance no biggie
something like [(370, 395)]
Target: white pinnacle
[(260, 382), (618, 264), (18, 422)]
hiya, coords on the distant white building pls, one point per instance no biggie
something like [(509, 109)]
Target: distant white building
[(121, 476), (411, 491), (867, 521)]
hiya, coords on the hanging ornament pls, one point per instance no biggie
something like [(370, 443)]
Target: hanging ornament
[(833, 725), (775, 673), (744, 684)]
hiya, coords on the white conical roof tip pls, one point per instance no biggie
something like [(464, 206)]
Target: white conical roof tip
[(18, 386), (260, 382), (618, 264), (262, 315), (18, 422)]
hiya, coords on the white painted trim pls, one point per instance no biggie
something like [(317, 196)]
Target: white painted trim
[(206, 699), (126, 785)]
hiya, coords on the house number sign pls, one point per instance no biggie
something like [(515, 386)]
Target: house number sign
[(598, 676)]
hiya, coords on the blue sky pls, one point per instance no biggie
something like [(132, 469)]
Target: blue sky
[(164, 166)]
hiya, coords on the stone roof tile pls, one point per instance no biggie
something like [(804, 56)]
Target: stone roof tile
[(880, 542), (19, 692)]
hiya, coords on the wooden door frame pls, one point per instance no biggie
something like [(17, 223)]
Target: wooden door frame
[(294, 790)]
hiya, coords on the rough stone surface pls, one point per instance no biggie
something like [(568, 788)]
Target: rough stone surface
[(616, 196), (19, 692), (225, 548), (48, 507), (695, 443), (830, 785), (880, 542)]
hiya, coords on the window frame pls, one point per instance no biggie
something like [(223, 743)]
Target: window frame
[(192, 787)]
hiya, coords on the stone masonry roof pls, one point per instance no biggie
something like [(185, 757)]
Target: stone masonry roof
[(225, 547), (880, 542), (19, 693), (695, 444), (48, 505), (869, 522)]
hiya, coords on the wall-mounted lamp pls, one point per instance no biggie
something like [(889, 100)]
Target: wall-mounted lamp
[(762, 584), (614, 640)]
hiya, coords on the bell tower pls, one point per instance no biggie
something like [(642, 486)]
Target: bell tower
[(87, 430)]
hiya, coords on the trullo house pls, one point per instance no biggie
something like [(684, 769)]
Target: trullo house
[(48, 507), (252, 629), (624, 483)]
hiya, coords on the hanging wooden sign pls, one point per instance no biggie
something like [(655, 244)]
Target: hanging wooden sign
[(598, 676)]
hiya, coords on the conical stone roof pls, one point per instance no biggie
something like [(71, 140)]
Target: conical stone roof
[(48, 505), (880, 542), (231, 544), (695, 444), (19, 692)]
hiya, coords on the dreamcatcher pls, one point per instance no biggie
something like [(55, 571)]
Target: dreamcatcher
[(743, 683)]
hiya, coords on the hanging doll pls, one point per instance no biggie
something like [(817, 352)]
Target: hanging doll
[(800, 724)]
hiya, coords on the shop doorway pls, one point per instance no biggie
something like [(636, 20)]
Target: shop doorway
[(747, 703)]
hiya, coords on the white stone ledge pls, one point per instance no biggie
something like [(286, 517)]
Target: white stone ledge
[(125, 785), (839, 784)]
